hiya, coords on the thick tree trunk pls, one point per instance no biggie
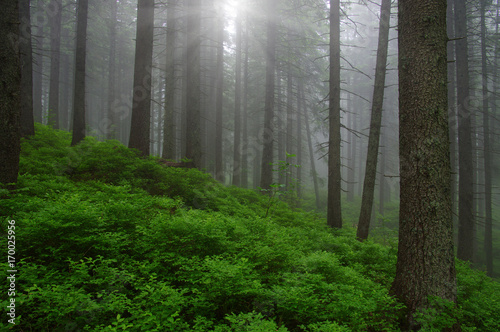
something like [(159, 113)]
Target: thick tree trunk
[(382, 183), (334, 212), (80, 70), (10, 93), (193, 76), (27, 122), (55, 12), (237, 107), (375, 123), (141, 108), (425, 264), (465, 184), (266, 176), (169, 141), (488, 227)]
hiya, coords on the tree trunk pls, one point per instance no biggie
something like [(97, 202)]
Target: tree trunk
[(280, 123), (27, 122), (289, 120), (55, 13), (266, 176), (300, 110), (38, 64), (334, 212), (375, 123), (311, 159), (10, 93), (169, 141), (465, 183), (488, 228), (425, 263), (193, 93), (80, 70), (237, 107), (244, 151), (219, 166), (141, 107), (112, 123)]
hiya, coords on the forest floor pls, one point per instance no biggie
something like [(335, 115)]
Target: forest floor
[(109, 241)]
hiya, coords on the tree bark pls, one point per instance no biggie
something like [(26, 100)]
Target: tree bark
[(334, 212), (465, 173), (266, 176), (169, 141), (219, 166), (488, 227), (141, 107), (27, 122), (237, 107), (193, 93), (311, 159), (425, 264), (55, 11), (38, 64), (112, 123), (375, 123), (80, 70), (10, 93)]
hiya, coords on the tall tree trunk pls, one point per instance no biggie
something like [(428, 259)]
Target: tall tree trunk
[(141, 108), (193, 93), (280, 123), (465, 184), (425, 264), (452, 110), (351, 138), (237, 107), (55, 11), (38, 63), (300, 111), (65, 93), (27, 122), (289, 120), (311, 160), (334, 212), (488, 228), (266, 177), (80, 70), (219, 95), (10, 93), (112, 123), (375, 123), (244, 151), (169, 141)]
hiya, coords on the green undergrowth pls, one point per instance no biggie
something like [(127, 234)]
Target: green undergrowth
[(109, 241)]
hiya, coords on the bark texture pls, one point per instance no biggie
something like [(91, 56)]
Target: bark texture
[(27, 123), (266, 176), (425, 264), (375, 123), (10, 89), (141, 106), (334, 212), (80, 64)]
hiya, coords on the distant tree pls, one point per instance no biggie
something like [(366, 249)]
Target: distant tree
[(266, 176), (27, 123), (10, 93), (334, 211), (112, 125), (80, 72), (55, 10), (219, 95), (169, 142), (141, 104), (237, 105), (193, 77), (375, 123), (425, 264), (465, 160)]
